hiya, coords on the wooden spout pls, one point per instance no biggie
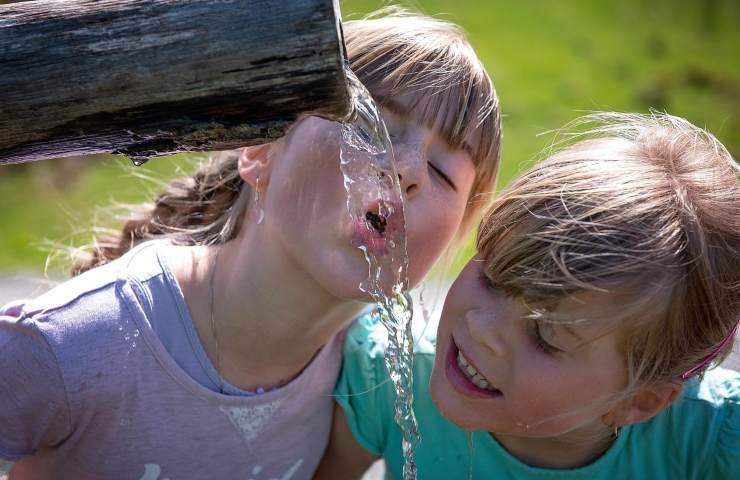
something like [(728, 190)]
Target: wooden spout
[(152, 77)]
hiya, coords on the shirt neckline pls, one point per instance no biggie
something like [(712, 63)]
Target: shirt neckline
[(125, 287), (490, 442)]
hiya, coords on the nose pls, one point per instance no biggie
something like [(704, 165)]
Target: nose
[(411, 165), (488, 330)]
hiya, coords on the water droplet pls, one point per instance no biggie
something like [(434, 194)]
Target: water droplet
[(139, 160)]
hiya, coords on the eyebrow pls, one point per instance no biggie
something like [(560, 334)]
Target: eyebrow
[(398, 109)]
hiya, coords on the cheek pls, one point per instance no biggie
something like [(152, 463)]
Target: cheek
[(429, 233), (551, 400), (308, 181)]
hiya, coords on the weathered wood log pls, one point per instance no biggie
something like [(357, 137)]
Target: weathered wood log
[(150, 77)]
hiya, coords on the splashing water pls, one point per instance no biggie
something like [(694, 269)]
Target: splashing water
[(375, 204)]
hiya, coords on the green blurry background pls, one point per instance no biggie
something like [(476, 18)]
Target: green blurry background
[(549, 60)]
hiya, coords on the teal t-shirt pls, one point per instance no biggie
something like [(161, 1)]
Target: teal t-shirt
[(698, 437)]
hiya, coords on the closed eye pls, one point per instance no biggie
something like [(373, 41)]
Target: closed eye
[(542, 344), (442, 175)]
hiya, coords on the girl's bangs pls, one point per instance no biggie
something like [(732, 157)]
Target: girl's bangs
[(460, 110)]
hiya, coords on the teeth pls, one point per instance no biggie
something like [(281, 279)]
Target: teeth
[(462, 359), (472, 373)]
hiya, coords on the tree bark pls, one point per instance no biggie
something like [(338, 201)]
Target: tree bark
[(151, 77)]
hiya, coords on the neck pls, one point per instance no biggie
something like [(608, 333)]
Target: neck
[(270, 317), (571, 450)]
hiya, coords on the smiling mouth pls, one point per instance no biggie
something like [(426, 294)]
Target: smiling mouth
[(473, 374), (465, 378)]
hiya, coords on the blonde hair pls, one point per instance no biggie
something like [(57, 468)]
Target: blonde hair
[(394, 54), (647, 205)]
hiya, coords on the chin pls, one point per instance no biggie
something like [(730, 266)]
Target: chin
[(341, 271), (351, 289), (450, 406), (465, 419), (339, 274), (345, 289)]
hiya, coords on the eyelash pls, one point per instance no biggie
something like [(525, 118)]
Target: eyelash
[(540, 342), (442, 174), (394, 135), (536, 334)]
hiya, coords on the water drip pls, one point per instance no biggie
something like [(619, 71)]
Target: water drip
[(138, 160), (471, 448)]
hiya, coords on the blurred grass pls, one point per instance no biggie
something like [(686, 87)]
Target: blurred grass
[(549, 60)]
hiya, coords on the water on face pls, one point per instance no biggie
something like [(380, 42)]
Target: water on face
[(370, 178)]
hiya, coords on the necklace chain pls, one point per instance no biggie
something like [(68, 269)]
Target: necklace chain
[(213, 321)]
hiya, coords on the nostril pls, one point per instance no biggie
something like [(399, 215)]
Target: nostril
[(411, 189)]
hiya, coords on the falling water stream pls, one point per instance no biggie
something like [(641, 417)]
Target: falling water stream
[(375, 203)]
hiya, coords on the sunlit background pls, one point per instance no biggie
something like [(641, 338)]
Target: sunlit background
[(550, 61)]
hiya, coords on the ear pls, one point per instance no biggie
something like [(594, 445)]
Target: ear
[(645, 404), (255, 162)]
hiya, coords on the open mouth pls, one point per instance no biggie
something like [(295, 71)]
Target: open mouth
[(377, 221), (465, 378), (371, 233)]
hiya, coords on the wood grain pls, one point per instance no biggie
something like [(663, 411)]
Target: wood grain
[(149, 77)]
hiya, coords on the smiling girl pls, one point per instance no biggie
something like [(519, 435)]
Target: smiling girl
[(576, 343), (204, 340)]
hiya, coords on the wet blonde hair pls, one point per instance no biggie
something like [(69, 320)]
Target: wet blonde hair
[(647, 206), (397, 53)]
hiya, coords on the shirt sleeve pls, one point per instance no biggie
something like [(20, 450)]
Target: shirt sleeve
[(364, 390), (34, 411), (724, 461)]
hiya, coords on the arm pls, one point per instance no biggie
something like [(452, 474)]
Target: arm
[(344, 458)]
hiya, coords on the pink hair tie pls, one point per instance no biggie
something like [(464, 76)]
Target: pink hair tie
[(713, 355)]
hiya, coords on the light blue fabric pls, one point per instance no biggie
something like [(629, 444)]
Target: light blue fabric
[(171, 320), (698, 437)]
